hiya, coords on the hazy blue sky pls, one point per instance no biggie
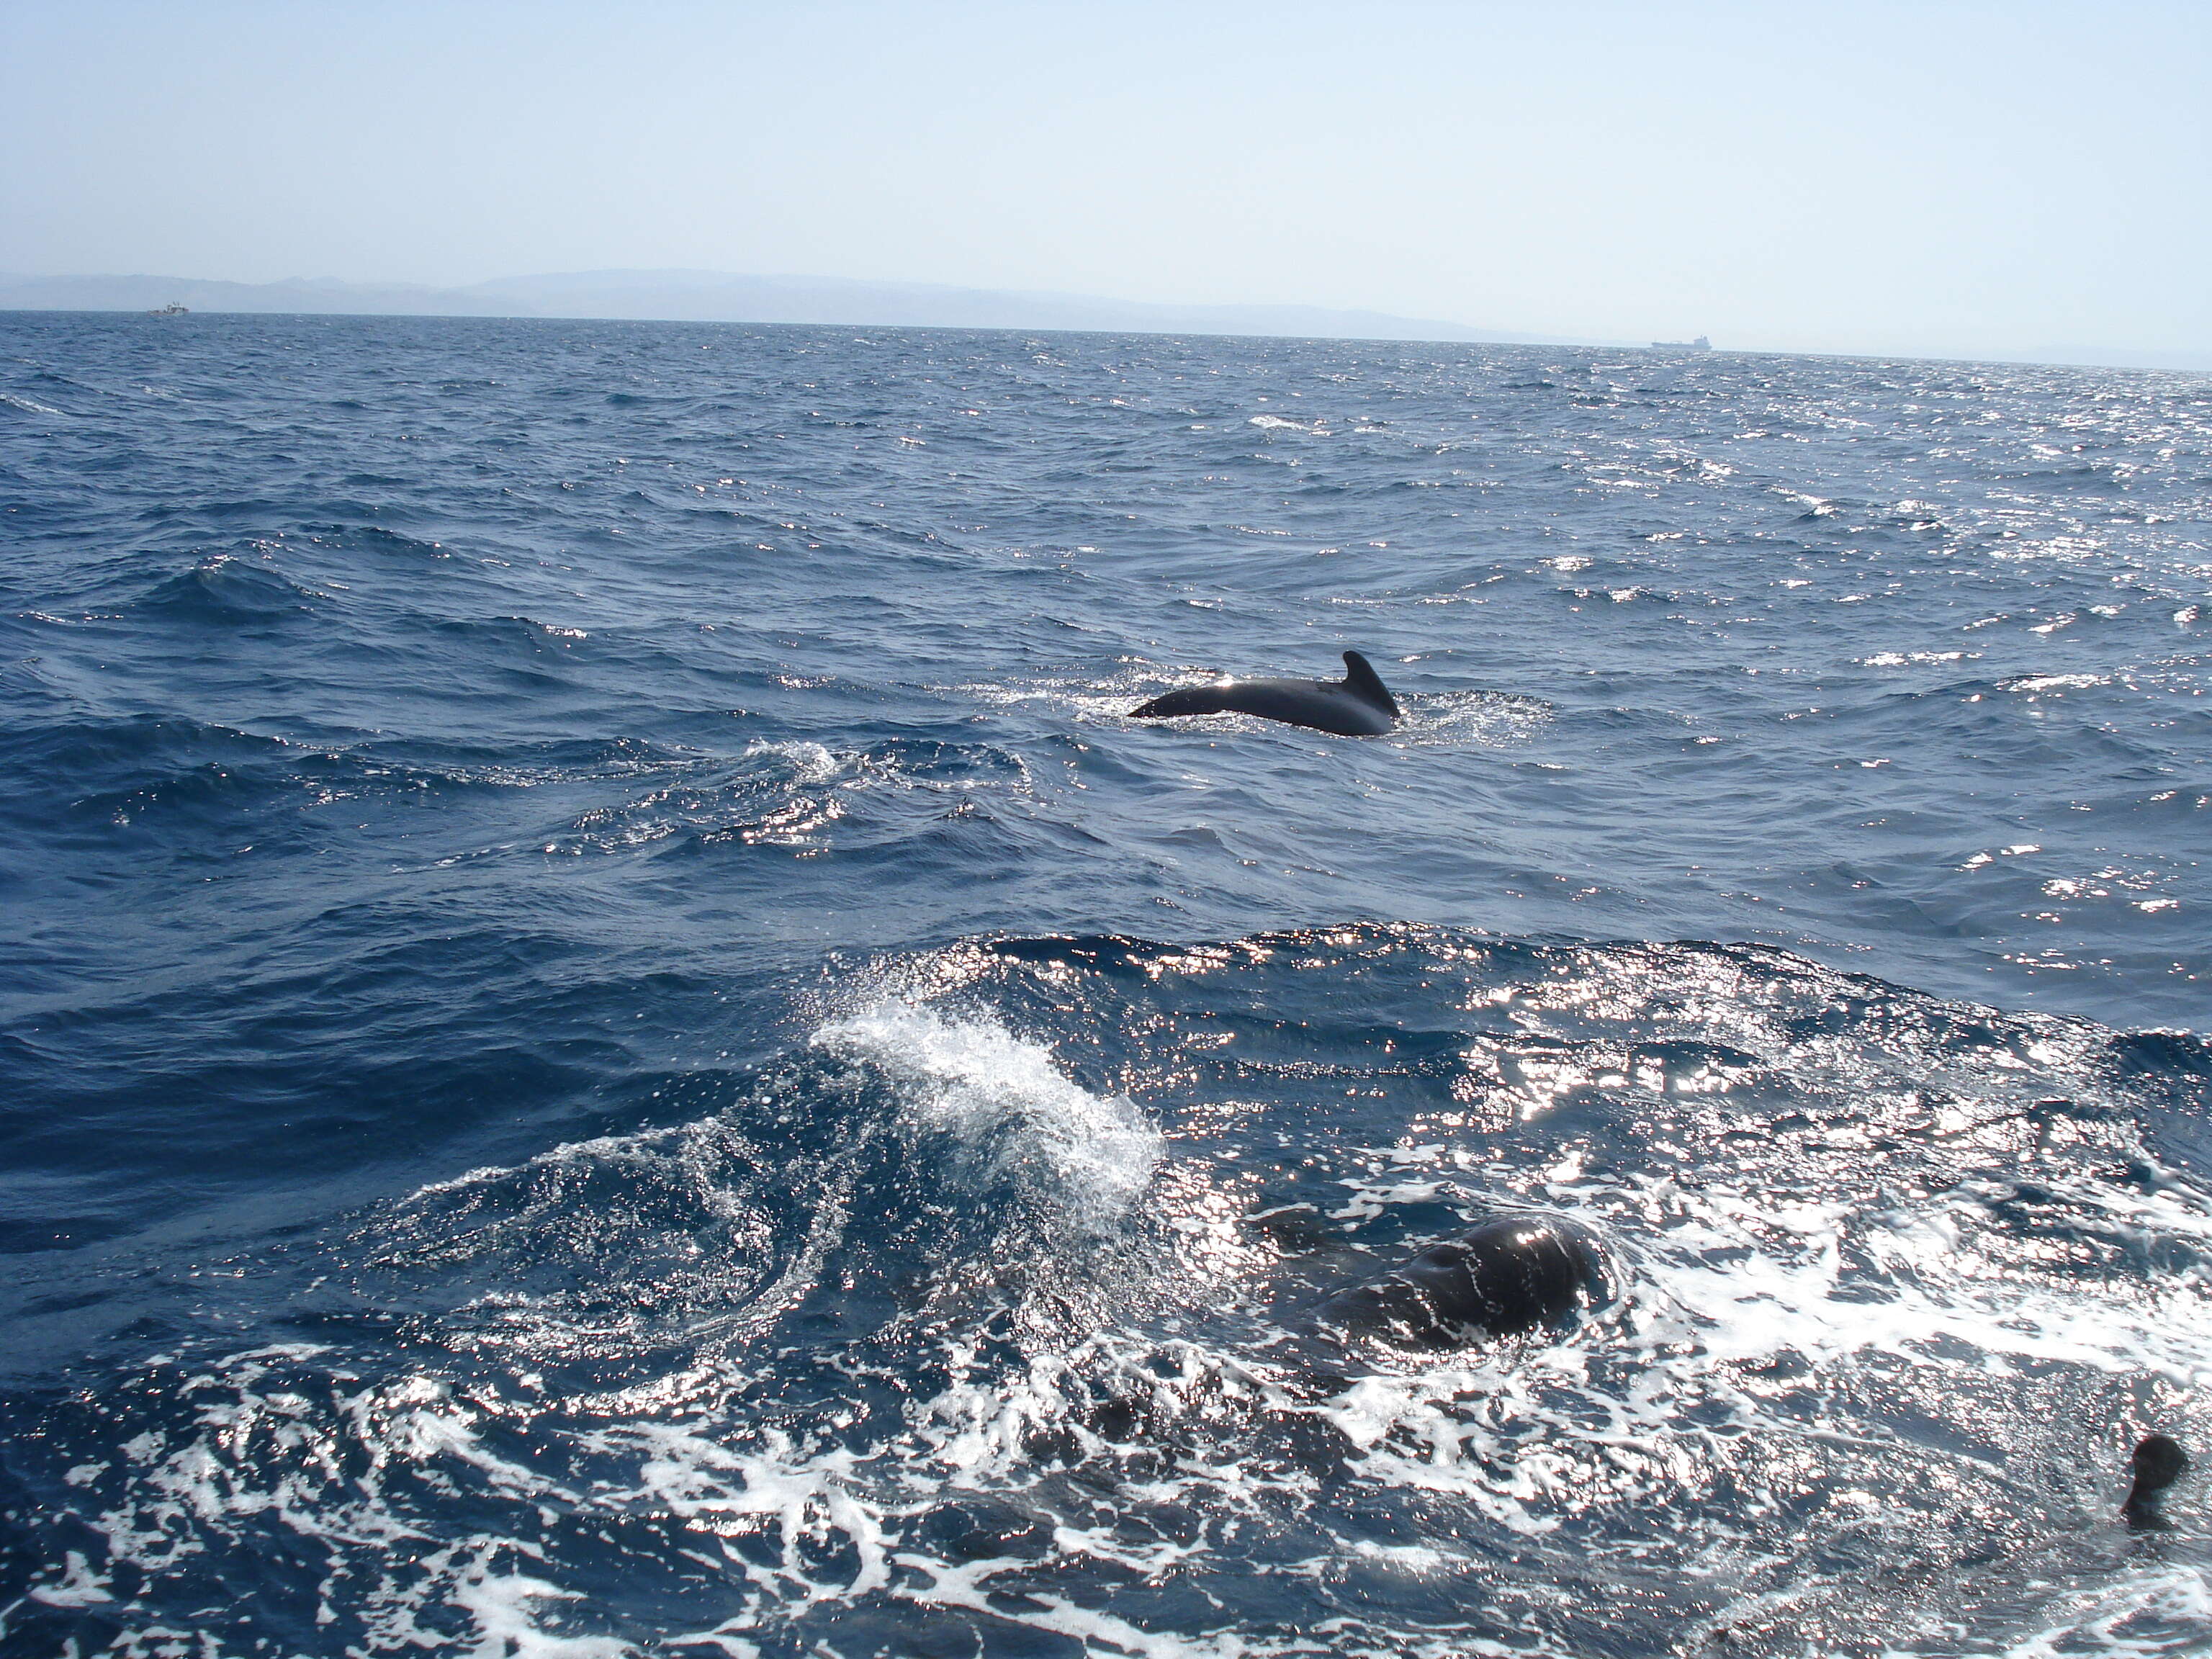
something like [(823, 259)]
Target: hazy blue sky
[(1936, 177)]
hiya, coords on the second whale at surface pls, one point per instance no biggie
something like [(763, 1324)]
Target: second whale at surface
[(1510, 1275), (1357, 706)]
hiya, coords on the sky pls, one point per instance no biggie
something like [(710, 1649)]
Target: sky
[(1950, 178)]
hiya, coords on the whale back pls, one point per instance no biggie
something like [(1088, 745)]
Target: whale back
[(1503, 1278), (1189, 700), (1357, 706)]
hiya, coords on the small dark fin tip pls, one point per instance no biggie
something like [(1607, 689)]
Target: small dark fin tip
[(2158, 1462)]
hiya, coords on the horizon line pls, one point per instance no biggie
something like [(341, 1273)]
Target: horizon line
[(2054, 355)]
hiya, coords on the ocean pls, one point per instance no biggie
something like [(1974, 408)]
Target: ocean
[(612, 1044)]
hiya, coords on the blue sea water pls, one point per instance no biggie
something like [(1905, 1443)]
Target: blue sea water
[(611, 1044)]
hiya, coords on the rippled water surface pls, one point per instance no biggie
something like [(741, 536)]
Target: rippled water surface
[(611, 1044)]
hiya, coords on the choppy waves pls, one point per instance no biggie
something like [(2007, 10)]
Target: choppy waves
[(933, 1328), (612, 1043)]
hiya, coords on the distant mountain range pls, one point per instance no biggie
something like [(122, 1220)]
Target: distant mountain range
[(721, 297), (717, 296)]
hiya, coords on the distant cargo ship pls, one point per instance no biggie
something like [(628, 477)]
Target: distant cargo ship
[(171, 309), (1701, 344)]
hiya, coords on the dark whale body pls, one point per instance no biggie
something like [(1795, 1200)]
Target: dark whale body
[(1501, 1279), (1505, 1278), (2158, 1462), (1357, 706)]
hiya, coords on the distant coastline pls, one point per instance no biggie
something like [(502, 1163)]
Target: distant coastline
[(721, 297), (726, 297)]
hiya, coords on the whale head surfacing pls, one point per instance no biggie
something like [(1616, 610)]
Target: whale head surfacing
[(2159, 1461), (1357, 706), (1505, 1276)]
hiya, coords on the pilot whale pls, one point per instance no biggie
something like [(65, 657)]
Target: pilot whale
[(1357, 706), (1507, 1276), (2159, 1461)]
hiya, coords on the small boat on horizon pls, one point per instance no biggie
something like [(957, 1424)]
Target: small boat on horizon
[(1701, 344), (171, 309)]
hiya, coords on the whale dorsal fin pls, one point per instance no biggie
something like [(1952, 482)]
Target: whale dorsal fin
[(1365, 684)]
